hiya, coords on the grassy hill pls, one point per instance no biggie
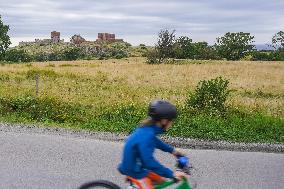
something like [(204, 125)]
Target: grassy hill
[(69, 51)]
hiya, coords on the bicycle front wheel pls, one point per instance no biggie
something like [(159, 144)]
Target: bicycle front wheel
[(100, 184)]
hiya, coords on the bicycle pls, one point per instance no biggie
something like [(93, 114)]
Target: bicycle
[(182, 165)]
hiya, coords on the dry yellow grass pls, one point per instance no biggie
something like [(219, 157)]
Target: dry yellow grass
[(257, 85)]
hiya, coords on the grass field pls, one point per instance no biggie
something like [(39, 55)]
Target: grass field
[(112, 95)]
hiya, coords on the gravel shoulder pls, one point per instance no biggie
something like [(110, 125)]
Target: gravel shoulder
[(175, 141)]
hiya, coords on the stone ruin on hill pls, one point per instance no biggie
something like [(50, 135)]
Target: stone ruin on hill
[(54, 38), (75, 39), (109, 37)]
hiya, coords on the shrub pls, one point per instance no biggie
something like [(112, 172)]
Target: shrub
[(72, 53), (15, 55), (265, 56), (104, 55), (278, 55), (42, 57), (120, 54), (143, 46), (210, 96), (153, 57), (55, 56)]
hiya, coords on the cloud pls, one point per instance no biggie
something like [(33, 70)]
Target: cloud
[(139, 21)]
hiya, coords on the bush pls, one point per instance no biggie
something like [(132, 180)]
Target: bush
[(15, 55), (278, 55), (258, 55), (153, 57), (120, 54), (72, 53), (42, 57), (210, 96), (143, 46), (55, 56)]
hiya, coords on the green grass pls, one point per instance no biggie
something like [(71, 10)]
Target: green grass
[(236, 125)]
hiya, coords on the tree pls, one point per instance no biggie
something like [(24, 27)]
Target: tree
[(199, 50), (165, 45), (152, 56), (234, 46), (183, 47), (4, 38), (278, 40), (17, 55)]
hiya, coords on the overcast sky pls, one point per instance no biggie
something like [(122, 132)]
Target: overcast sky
[(139, 21)]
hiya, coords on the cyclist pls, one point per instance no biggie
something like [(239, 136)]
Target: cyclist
[(138, 162)]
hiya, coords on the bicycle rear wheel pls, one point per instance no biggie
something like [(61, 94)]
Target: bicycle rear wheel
[(100, 184)]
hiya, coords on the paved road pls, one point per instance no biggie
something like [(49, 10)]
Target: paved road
[(38, 161)]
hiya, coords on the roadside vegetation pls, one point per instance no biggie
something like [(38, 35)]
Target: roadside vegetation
[(217, 100)]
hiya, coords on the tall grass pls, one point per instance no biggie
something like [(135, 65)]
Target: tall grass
[(112, 95)]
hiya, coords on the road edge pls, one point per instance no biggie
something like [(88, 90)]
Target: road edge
[(175, 141)]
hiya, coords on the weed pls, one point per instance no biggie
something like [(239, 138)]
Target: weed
[(4, 77), (31, 74), (50, 65)]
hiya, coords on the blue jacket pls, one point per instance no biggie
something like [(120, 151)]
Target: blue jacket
[(138, 159)]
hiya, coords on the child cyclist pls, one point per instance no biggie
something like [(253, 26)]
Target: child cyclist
[(138, 162)]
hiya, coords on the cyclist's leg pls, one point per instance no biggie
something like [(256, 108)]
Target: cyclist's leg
[(144, 183), (148, 182), (155, 178)]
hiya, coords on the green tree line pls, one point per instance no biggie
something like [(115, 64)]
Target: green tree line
[(231, 46)]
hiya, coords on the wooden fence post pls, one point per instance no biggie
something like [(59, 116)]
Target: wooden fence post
[(37, 83)]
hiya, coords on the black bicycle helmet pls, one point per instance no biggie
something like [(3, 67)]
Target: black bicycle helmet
[(161, 109)]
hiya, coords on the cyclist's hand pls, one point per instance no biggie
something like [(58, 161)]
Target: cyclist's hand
[(179, 175), (177, 152)]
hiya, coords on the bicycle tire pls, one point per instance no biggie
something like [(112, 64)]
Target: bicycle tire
[(100, 184)]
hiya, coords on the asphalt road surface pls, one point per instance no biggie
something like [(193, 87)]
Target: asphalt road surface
[(40, 161)]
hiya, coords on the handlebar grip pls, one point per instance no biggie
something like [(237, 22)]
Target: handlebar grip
[(175, 180)]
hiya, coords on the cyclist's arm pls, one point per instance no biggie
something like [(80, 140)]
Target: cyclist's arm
[(146, 151), (163, 146)]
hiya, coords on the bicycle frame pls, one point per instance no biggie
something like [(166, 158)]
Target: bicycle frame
[(184, 184)]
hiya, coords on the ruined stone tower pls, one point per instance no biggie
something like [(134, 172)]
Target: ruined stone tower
[(106, 37), (55, 37)]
